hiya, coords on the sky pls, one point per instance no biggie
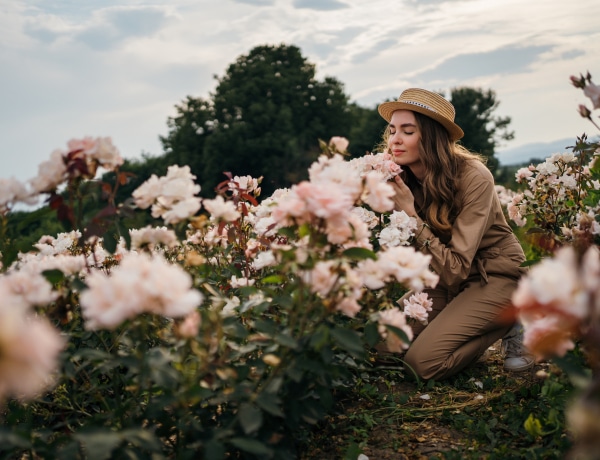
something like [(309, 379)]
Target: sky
[(117, 68)]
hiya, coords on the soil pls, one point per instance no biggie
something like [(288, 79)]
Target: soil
[(415, 431)]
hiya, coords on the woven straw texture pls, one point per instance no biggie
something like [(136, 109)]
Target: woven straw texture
[(428, 103)]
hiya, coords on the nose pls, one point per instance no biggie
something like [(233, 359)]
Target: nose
[(395, 138)]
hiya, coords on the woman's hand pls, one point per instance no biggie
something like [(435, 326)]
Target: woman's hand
[(403, 199)]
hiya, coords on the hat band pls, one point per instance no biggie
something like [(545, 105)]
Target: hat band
[(420, 105)]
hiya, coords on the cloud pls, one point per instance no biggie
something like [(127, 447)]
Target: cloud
[(256, 2), (114, 25), (505, 60), (374, 50), (322, 5)]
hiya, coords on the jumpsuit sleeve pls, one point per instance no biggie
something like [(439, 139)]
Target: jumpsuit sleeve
[(453, 261)]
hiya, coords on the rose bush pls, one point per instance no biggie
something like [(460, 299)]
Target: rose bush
[(222, 332), (558, 302)]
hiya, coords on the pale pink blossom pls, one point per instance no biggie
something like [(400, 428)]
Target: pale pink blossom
[(230, 308), (418, 306), (382, 162), (26, 288), (408, 266), (61, 244), (51, 173), (322, 278), (554, 283), (523, 174), (147, 193), (348, 306), (264, 259), (188, 328), (30, 351), (367, 216), (152, 237), (360, 232), (324, 200), (592, 91), (378, 193), (141, 283), (548, 336), (337, 173), (399, 230), (12, 192), (339, 143), (372, 274), (236, 282), (396, 318), (221, 210), (181, 210), (100, 149), (246, 184), (172, 197)]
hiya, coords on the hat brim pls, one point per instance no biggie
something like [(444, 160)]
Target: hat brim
[(386, 109)]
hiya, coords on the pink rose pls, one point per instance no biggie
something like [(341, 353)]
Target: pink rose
[(339, 143)]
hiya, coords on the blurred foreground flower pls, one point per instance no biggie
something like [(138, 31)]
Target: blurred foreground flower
[(29, 349)]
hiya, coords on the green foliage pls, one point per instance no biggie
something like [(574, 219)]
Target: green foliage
[(266, 114), (484, 131)]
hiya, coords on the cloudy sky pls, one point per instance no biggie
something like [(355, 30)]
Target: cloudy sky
[(71, 68)]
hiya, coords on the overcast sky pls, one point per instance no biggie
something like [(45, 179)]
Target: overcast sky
[(71, 68)]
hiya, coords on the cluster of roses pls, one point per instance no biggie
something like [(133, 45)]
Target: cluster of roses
[(559, 300), (347, 203)]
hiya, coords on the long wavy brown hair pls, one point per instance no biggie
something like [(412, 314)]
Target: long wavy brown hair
[(444, 161)]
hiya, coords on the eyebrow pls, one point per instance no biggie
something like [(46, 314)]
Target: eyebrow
[(404, 125)]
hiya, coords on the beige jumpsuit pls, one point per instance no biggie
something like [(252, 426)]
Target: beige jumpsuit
[(479, 268)]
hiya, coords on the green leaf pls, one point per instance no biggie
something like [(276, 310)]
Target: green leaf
[(320, 337), (273, 279), (9, 439), (99, 445), (359, 254), (399, 333), (250, 418), (286, 341), (348, 339), (371, 334), (109, 241), (533, 426), (251, 445), (142, 438), (214, 450), (53, 276), (270, 403), (287, 231)]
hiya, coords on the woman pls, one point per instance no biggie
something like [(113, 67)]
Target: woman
[(461, 225)]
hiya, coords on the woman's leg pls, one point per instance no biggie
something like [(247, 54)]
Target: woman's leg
[(462, 330)]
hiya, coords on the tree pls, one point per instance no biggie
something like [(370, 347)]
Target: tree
[(264, 119), (475, 115), (367, 130)]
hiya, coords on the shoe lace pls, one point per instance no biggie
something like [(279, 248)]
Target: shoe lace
[(513, 346)]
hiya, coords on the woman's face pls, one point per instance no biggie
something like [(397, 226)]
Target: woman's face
[(404, 139)]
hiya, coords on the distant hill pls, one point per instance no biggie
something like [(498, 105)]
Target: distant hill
[(536, 150)]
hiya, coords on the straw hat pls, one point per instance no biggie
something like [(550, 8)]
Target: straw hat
[(430, 104)]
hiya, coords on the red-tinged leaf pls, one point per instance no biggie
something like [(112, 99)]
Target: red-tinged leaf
[(65, 214), (123, 177), (250, 198), (108, 211), (55, 201)]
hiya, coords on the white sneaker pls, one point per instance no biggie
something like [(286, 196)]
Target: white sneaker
[(516, 356)]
